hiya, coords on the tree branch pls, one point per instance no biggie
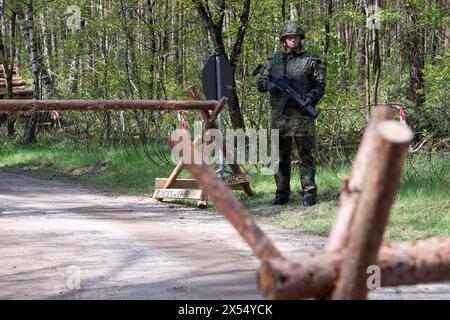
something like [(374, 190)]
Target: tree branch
[(237, 48)]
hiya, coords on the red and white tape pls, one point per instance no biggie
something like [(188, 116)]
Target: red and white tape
[(181, 119), (403, 122), (402, 117), (56, 119)]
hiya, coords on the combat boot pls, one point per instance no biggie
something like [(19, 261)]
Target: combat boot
[(309, 199), (281, 198), (280, 201)]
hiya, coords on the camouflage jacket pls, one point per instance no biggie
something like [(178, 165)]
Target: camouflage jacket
[(309, 79)]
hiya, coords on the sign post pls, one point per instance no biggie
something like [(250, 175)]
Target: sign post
[(217, 82)]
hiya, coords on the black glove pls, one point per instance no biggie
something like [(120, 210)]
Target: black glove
[(308, 101), (271, 87)]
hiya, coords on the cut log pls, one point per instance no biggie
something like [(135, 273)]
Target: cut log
[(17, 94), (14, 78), (350, 195), (17, 82), (216, 111), (412, 262), (20, 88), (372, 212), (312, 277), (99, 105), (315, 276)]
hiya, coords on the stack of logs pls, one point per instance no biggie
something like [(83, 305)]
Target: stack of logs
[(20, 90), (355, 242)]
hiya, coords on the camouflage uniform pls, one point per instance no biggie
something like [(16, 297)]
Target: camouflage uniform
[(293, 122)]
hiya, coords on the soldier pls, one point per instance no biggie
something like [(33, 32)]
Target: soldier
[(292, 121)]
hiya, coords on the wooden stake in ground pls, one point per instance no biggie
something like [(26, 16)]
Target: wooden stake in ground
[(350, 195), (173, 176), (366, 233), (209, 124), (192, 90), (315, 275), (227, 203)]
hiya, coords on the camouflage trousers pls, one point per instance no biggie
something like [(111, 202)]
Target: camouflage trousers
[(306, 147)]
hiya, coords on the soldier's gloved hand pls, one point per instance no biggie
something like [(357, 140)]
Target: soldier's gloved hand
[(272, 88), (308, 101), (264, 84)]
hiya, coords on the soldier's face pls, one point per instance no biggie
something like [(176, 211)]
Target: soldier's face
[(292, 41)]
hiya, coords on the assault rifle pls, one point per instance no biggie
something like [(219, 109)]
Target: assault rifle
[(285, 86)]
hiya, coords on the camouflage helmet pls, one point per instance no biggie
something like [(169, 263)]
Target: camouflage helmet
[(292, 28)]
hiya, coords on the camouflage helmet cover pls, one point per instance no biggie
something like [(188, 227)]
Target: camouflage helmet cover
[(292, 28)]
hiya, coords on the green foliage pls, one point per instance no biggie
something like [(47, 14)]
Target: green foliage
[(113, 169), (437, 76)]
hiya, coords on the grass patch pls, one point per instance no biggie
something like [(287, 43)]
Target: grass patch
[(110, 169), (421, 209)]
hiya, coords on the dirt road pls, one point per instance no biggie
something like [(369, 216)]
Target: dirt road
[(61, 241)]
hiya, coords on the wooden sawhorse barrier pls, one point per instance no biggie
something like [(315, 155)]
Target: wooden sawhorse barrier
[(355, 242), (187, 188), (173, 188)]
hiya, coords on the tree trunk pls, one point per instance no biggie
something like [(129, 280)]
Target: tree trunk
[(178, 47), (326, 43), (7, 56), (415, 49), (9, 69), (361, 54), (376, 63), (367, 62), (215, 30), (283, 10), (447, 36), (152, 36), (31, 127), (400, 60)]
